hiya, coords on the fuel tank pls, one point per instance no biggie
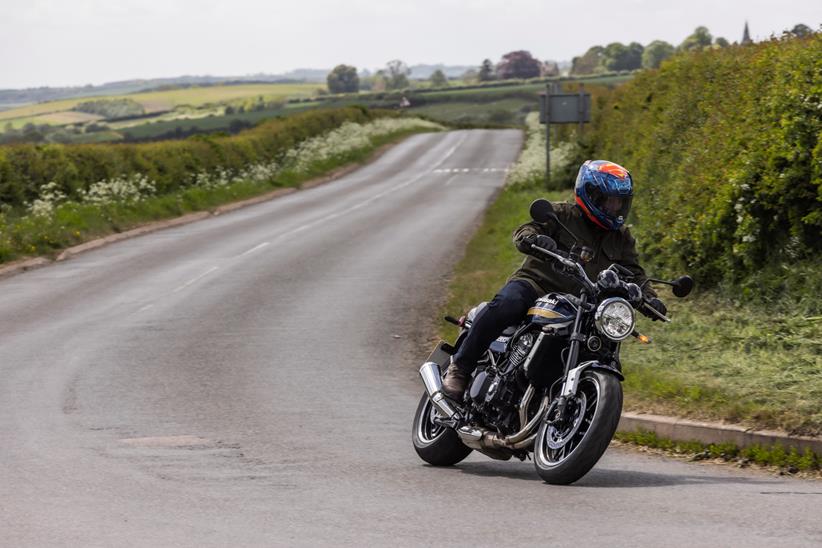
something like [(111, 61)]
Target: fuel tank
[(553, 309)]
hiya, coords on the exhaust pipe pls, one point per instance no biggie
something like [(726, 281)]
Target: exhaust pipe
[(432, 378)]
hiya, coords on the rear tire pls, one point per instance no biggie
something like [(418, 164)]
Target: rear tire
[(435, 444), (588, 442)]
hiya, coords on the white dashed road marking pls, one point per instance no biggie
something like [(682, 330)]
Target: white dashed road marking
[(253, 249), (194, 280), (471, 169)]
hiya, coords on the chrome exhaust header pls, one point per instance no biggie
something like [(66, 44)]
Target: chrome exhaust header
[(432, 378)]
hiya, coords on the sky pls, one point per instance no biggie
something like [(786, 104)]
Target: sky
[(78, 42)]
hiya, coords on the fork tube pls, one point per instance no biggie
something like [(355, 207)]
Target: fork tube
[(573, 353)]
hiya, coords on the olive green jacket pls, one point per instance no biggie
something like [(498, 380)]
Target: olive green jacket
[(609, 246)]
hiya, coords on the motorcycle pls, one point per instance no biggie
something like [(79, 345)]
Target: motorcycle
[(549, 387)]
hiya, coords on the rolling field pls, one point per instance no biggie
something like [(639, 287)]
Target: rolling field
[(159, 101)]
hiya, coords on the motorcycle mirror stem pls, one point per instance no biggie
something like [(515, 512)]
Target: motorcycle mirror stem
[(682, 286), (542, 211)]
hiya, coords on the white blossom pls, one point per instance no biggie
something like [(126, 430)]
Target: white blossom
[(530, 165)]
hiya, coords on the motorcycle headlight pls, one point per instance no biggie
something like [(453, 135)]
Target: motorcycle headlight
[(615, 318)]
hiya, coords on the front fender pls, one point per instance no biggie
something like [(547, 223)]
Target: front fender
[(572, 382)]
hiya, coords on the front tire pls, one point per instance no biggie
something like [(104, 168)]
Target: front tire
[(562, 456), (435, 444)]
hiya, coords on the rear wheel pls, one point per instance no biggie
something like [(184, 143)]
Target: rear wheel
[(435, 444), (563, 454)]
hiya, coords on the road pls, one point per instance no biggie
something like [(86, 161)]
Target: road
[(250, 380)]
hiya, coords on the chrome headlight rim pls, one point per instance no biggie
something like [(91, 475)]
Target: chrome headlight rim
[(599, 318)]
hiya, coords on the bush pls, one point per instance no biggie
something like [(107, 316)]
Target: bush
[(724, 146), (26, 168), (112, 109)]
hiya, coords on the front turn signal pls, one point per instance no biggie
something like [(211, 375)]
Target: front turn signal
[(644, 339)]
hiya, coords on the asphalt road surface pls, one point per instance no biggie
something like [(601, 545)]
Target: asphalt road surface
[(250, 380)]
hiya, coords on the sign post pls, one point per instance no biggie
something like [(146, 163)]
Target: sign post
[(561, 108)]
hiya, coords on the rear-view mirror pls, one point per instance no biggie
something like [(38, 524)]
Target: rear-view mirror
[(682, 286), (542, 211)]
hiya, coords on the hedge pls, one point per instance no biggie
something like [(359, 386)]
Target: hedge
[(25, 168), (725, 150)]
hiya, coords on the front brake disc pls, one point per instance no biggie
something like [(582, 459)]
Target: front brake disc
[(558, 437)]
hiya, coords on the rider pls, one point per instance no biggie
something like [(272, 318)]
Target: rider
[(604, 191)]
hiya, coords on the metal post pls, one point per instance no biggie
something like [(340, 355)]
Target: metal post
[(547, 136)]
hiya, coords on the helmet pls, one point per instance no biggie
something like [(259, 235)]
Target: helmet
[(604, 191)]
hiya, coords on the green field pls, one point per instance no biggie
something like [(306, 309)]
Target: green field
[(504, 111), (179, 113), (160, 101)]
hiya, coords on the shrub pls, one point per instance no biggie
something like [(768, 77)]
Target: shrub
[(26, 168), (724, 146)]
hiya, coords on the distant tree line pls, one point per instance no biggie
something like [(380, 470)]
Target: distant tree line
[(617, 56), (112, 109)]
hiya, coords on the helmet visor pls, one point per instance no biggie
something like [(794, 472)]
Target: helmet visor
[(612, 206)]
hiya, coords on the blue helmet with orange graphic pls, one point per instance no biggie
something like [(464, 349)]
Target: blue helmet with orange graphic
[(604, 191)]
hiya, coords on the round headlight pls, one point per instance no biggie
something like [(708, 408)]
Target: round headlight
[(615, 318)]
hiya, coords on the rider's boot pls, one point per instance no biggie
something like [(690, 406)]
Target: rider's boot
[(455, 382)]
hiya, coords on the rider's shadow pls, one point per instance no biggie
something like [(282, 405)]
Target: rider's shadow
[(610, 478)]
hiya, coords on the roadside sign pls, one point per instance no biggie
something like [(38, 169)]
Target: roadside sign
[(562, 108), (565, 108)]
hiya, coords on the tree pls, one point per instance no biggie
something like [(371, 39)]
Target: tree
[(656, 52), (343, 79), (486, 71), (470, 75), (550, 69), (518, 64), (621, 57), (396, 75), (801, 30), (438, 79), (590, 62), (700, 39), (721, 42)]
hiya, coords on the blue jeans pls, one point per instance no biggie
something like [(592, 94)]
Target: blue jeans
[(506, 308)]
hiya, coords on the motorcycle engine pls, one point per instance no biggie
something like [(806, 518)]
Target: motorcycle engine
[(522, 347), (494, 396)]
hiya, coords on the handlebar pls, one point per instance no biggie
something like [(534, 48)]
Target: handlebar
[(591, 286)]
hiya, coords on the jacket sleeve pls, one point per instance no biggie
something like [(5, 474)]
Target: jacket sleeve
[(630, 260), (528, 229)]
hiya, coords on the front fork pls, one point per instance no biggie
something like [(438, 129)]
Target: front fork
[(571, 373)]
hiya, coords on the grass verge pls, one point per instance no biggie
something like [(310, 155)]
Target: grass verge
[(790, 461), (73, 223)]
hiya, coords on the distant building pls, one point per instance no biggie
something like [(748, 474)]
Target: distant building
[(746, 36)]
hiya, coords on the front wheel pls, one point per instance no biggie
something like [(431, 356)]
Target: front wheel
[(564, 454), (435, 444)]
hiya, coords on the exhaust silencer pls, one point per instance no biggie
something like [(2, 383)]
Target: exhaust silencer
[(432, 378)]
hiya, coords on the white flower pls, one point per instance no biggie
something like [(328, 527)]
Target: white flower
[(127, 189), (50, 196), (531, 162)]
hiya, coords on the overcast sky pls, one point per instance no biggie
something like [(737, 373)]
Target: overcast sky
[(75, 42)]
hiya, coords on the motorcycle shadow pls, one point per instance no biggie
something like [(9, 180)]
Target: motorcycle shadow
[(608, 477)]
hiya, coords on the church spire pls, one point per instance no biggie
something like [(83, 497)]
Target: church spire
[(746, 36)]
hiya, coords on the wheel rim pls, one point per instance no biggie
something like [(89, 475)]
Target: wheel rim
[(555, 446), (427, 430)]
